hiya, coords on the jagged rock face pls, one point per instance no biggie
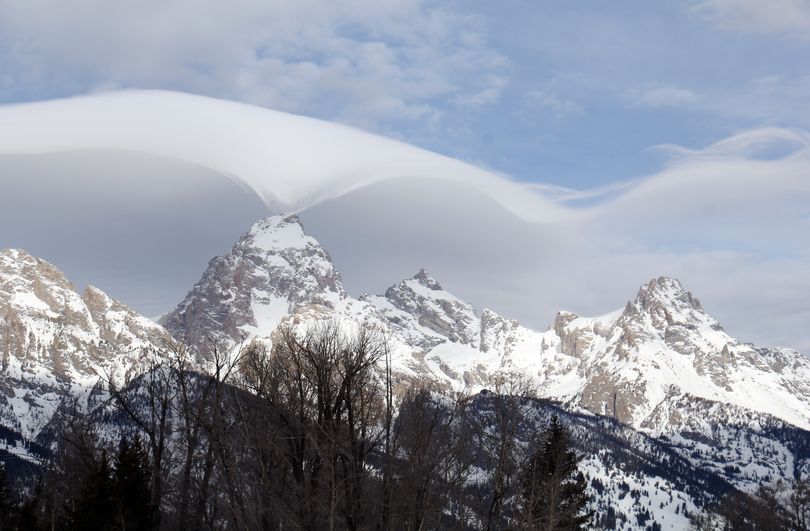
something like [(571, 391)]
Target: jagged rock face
[(664, 310), (428, 315), (660, 365), (56, 343), (498, 334), (624, 364), (663, 344), (273, 270)]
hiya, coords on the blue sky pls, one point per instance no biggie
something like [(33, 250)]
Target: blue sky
[(570, 93)]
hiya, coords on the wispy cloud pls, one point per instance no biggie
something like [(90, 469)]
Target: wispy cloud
[(573, 196), (771, 16), (359, 61)]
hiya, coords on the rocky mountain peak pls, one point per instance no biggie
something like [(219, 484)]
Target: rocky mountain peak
[(33, 288), (662, 305), (273, 270), (19, 268), (425, 279), (436, 311), (55, 343), (666, 293)]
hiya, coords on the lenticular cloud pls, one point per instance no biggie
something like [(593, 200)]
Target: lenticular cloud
[(729, 219), (291, 162)]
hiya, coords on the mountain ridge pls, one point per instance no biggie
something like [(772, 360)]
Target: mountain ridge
[(683, 406), (57, 343), (627, 364)]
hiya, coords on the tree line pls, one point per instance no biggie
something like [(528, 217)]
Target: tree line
[(314, 433)]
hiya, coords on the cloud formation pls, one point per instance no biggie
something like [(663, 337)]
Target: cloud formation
[(356, 61), (773, 16), (730, 219), (291, 162)]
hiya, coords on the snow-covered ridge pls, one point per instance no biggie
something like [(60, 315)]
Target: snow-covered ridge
[(56, 343), (658, 364), (639, 364), (635, 363), (663, 346)]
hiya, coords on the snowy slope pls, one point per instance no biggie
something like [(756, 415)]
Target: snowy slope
[(636, 364), (666, 403), (56, 343)]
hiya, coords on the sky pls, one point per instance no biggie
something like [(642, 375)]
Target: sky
[(665, 137)]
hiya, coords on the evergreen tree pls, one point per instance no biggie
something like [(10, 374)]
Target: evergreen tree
[(94, 506), (5, 500), (29, 511), (132, 492), (553, 494)]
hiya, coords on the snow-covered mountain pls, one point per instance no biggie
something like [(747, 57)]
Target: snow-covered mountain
[(273, 271), (57, 343), (667, 406), (639, 364)]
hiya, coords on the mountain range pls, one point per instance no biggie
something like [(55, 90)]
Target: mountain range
[(659, 378)]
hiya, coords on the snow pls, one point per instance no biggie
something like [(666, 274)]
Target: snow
[(276, 233), (60, 350), (268, 311), (30, 300)]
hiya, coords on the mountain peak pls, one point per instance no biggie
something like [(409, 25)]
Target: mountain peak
[(279, 232), (14, 254), (425, 279), (272, 271), (27, 280), (666, 292)]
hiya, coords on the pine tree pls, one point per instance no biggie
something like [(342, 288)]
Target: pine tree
[(94, 507), (5, 500), (132, 492), (553, 494), (29, 510)]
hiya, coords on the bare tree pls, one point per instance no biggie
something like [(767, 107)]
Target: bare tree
[(510, 390), (147, 401), (433, 459), (322, 394), (799, 504)]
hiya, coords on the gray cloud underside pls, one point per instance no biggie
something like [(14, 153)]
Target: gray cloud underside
[(730, 220)]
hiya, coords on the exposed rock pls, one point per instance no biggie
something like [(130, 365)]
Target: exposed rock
[(57, 344), (273, 271), (622, 364)]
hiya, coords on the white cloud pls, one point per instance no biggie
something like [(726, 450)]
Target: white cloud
[(770, 99), (358, 61), (290, 161), (729, 219), (757, 16)]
